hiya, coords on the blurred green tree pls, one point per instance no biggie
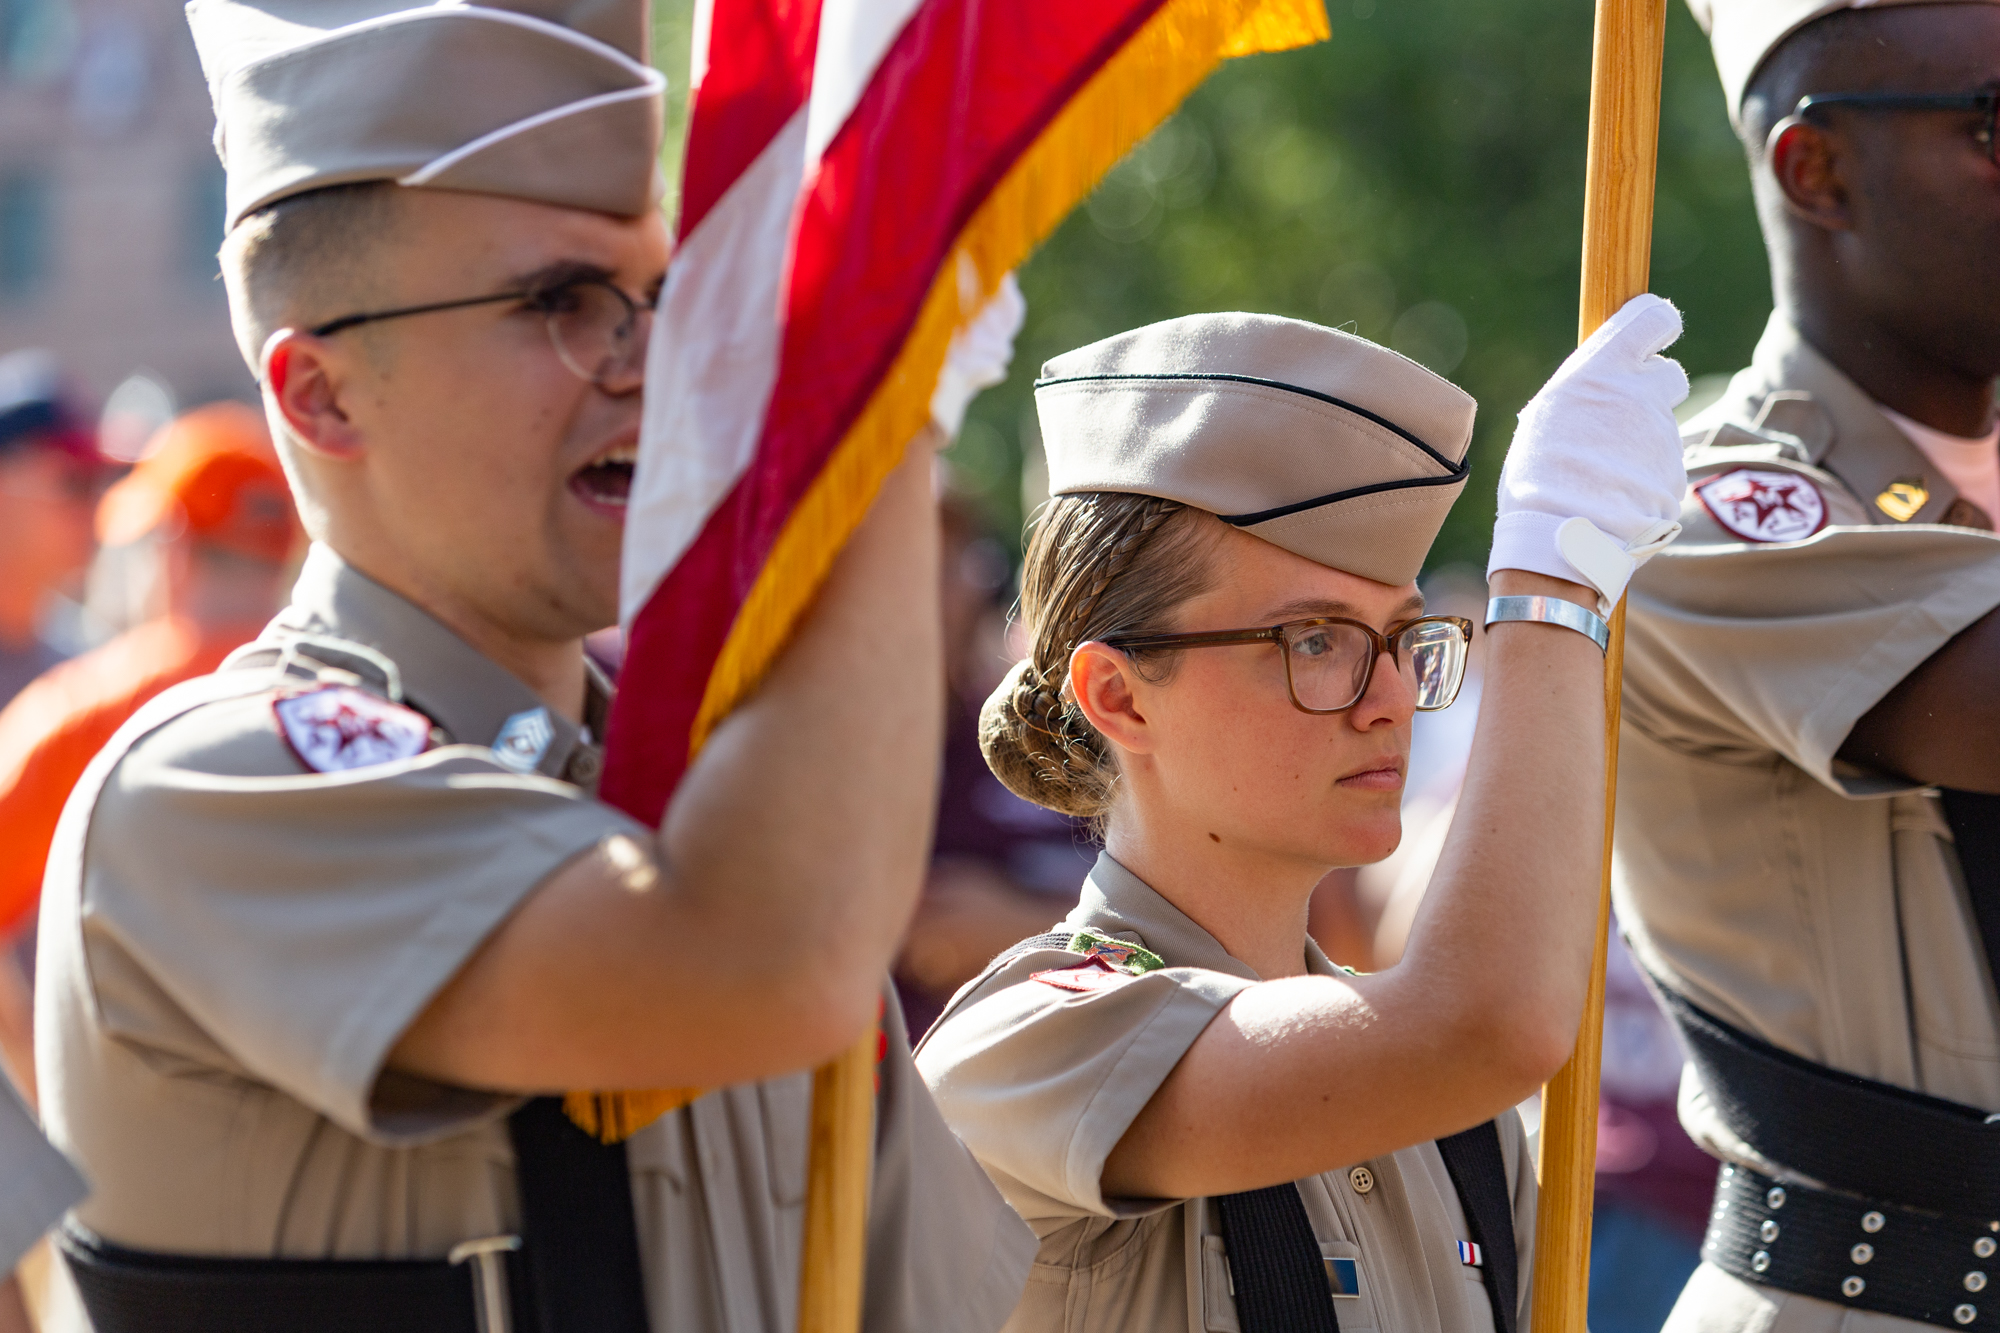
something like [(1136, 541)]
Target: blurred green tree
[(1418, 179)]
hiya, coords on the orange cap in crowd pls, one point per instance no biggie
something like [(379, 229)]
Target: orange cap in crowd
[(212, 470)]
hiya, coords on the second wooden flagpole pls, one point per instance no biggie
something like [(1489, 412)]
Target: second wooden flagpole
[(841, 1152), (1617, 257)]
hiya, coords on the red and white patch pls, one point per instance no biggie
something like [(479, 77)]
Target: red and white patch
[(338, 727), (1090, 974), (1764, 506)]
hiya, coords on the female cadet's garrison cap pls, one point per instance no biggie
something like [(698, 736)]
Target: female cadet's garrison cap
[(1320, 442), (549, 100)]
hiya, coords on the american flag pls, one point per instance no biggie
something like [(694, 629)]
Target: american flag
[(860, 176)]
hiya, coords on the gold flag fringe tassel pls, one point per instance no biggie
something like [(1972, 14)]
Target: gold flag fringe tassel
[(1136, 89)]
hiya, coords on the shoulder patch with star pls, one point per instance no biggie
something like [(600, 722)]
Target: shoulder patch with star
[(1763, 505), (338, 727)]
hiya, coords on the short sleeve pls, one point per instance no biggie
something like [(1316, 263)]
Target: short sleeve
[(1041, 1083), (302, 921), (1735, 649), (36, 1182)]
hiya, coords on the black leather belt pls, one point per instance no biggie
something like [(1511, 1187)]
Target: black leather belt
[(132, 1291), (1931, 1267), (579, 1271)]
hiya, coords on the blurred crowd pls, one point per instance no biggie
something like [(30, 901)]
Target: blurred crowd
[(116, 581)]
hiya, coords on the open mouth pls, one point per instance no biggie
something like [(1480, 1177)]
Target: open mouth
[(605, 482)]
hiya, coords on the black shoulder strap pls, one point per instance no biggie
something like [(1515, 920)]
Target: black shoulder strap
[(1479, 1171), (1276, 1268), (1975, 828), (579, 1234), (1276, 1271)]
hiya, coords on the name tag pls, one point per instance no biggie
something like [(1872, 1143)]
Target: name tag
[(1344, 1276)]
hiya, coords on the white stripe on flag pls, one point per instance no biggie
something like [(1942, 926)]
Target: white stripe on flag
[(712, 364), (854, 35)]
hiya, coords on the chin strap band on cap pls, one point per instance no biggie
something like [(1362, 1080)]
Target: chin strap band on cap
[(1551, 611)]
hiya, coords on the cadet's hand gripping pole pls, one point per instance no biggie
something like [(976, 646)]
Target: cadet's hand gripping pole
[(841, 1151), (1617, 256)]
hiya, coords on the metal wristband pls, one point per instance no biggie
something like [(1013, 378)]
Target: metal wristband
[(1552, 611)]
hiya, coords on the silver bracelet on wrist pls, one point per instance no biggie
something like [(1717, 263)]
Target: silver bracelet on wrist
[(1552, 611)]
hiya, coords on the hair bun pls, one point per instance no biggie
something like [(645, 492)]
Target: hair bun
[(1040, 748)]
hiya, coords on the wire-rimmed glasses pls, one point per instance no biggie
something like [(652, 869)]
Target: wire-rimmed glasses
[(1330, 661), (599, 332)]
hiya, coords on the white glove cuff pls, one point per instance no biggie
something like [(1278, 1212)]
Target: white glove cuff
[(1526, 539), (1575, 549)]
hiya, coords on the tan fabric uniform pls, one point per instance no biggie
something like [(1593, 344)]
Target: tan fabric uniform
[(248, 939), (1042, 1083), (1814, 905)]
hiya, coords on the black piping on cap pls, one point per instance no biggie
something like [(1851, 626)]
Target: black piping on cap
[(1454, 472)]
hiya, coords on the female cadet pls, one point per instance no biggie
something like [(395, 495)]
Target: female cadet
[(1209, 1125)]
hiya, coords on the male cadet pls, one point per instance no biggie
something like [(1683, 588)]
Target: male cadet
[(320, 928), (1813, 694)]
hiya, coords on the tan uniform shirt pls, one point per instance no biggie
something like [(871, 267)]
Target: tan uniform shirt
[(247, 939), (1042, 1083), (1812, 904)]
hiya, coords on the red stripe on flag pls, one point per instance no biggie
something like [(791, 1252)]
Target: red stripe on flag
[(965, 89), (760, 62)]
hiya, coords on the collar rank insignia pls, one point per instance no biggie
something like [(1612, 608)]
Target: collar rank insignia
[(524, 738), (1902, 499), (1764, 506), (338, 727), (1469, 1254), (1086, 975)]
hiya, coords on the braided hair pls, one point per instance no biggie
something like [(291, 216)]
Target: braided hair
[(1099, 564)]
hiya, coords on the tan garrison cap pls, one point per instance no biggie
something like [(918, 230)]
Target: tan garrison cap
[(1322, 443), (1744, 32), (549, 100)]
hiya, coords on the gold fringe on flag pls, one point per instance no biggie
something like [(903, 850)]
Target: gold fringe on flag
[(1136, 89)]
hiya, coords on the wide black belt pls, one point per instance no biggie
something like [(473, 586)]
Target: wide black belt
[(1935, 1268), (127, 1291), (1865, 1137), (1911, 1224), (577, 1271)]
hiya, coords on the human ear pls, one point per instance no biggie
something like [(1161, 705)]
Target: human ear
[(1806, 166), (303, 376), (1105, 687)]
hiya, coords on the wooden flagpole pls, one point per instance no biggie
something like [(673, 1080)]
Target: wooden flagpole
[(841, 1151), (1623, 156)]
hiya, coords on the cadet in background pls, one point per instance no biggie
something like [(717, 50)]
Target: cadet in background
[(1808, 851)]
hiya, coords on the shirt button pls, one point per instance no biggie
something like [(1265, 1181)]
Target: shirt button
[(585, 765), (1362, 1179)]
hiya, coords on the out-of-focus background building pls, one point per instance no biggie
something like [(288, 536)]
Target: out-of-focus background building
[(111, 202)]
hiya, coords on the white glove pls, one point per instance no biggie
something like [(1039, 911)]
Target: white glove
[(1593, 483), (978, 356)]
